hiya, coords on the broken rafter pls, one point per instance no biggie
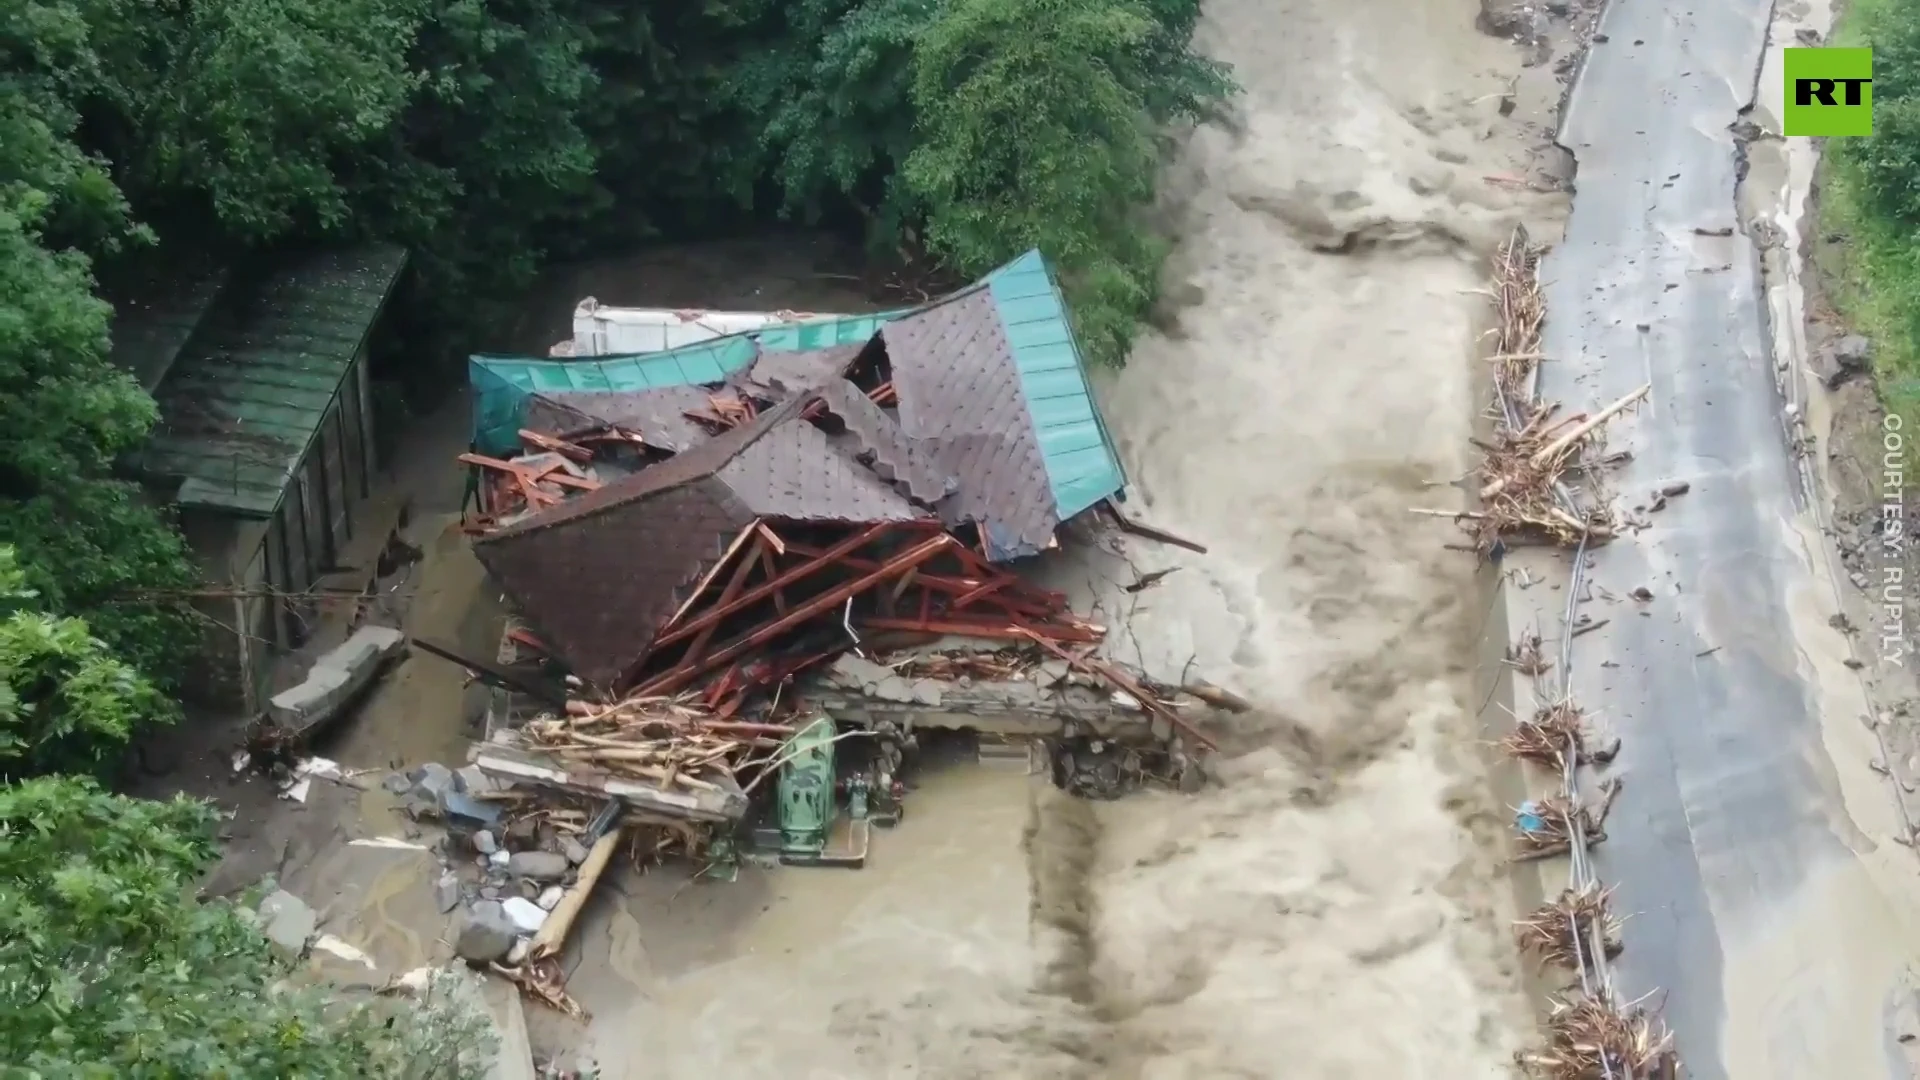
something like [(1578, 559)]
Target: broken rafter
[(765, 589), (693, 595), (727, 595), (993, 589), (669, 681), (1139, 693), (1140, 528), (1005, 630), (541, 441)]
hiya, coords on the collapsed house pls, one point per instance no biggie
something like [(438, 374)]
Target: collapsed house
[(737, 523)]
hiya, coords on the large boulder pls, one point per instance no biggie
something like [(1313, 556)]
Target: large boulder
[(538, 865), (288, 922), (486, 933)]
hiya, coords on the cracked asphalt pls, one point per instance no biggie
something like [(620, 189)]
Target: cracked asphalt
[(1759, 907)]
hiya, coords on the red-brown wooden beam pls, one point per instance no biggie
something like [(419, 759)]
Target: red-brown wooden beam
[(669, 681), (1008, 630), (731, 590), (1044, 604), (760, 592)]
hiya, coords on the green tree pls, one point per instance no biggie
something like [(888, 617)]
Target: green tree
[(109, 967), (67, 703), (83, 537), (1039, 126)]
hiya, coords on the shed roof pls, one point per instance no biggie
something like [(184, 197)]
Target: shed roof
[(244, 399), (154, 316)]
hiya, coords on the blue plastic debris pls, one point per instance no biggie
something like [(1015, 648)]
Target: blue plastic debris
[(1529, 818)]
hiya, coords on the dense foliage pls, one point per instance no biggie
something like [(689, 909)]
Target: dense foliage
[(1872, 199), (110, 968), (487, 136), (67, 701)]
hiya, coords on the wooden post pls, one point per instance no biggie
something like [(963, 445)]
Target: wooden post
[(553, 933)]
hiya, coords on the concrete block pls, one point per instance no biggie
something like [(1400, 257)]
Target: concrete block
[(339, 674), (321, 693), (368, 645)]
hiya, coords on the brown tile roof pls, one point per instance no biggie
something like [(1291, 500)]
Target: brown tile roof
[(599, 586), (887, 449), (954, 372), (599, 574), (794, 472), (658, 415)]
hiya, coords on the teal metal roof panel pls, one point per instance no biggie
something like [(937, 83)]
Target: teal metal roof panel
[(502, 384), (243, 401), (1083, 466)]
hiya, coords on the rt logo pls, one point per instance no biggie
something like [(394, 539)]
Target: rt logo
[(1829, 92)]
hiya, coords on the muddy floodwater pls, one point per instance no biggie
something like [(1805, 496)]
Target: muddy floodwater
[(1334, 907)]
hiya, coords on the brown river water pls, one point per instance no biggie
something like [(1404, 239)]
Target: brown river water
[(1334, 907)]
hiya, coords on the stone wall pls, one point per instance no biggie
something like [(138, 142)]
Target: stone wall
[(860, 691)]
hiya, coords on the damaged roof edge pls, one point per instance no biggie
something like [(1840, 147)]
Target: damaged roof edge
[(695, 463), (1082, 462)]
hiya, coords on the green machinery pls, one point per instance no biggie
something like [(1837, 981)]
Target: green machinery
[(812, 829)]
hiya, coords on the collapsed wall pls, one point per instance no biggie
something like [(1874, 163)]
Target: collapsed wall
[(1052, 701)]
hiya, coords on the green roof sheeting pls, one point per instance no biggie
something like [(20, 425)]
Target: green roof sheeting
[(502, 384), (152, 327), (244, 399), (1082, 464)]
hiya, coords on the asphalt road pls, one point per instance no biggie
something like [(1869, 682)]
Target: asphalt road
[(1731, 802)]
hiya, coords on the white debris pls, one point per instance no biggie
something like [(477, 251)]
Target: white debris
[(526, 915), (391, 843), (344, 950)]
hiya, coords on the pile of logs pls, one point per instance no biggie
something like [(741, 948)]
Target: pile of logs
[(672, 741), (1590, 1040), (1576, 924)]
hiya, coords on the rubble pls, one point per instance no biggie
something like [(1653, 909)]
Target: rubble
[(715, 585), (538, 865), (334, 682), (288, 922), (526, 916), (485, 934), (446, 892)]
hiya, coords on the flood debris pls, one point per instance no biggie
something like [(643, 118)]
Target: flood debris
[(735, 604), (1523, 494), (1529, 494), (1591, 1039), (1569, 928), (335, 683), (1555, 732), (1553, 825), (692, 557), (1525, 657)]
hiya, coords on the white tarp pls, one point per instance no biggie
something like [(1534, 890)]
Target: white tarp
[(612, 331)]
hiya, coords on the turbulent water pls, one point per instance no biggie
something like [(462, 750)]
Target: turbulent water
[(1333, 907)]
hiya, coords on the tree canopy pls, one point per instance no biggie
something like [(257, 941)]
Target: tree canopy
[(487, 137), (109, 967)]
